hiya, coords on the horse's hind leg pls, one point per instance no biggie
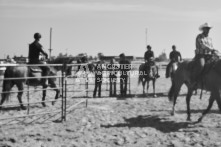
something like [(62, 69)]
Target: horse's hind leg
[(20, 93), (44, 95), (211, 100), (7, 85)]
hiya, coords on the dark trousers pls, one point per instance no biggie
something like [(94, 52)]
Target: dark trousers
[(98, 83), (113, 80), (199, 62), (168, 69), (123, 85)]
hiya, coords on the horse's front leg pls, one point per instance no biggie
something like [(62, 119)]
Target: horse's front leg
[(188, 97), (174, 103), (57, 95), (154, 92), (43, 96), (147, 86), (143, 83)]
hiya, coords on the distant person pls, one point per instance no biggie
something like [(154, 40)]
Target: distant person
[(112, 68), (98, 78), (175, 56), (125, 67), (150, 62), (204, 47), (35, 50)]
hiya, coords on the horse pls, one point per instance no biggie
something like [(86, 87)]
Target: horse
[(211, 81), (20, 75), (146, 75), (85, 66)]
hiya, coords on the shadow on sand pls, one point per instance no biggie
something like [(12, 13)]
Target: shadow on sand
[(159, 124)]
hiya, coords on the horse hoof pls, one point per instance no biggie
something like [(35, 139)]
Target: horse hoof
[(172, 113), (23, 108), (43, 104), (199, 120), (53, 102), (188, 119), (154, 95)]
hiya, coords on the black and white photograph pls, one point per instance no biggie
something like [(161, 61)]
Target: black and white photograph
[(110, 73)]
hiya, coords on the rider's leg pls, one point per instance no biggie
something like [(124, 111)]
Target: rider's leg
[(45, 72), (167, 69), (198, 69)]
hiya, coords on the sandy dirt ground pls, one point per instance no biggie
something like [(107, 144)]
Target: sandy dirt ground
[(135, 121)]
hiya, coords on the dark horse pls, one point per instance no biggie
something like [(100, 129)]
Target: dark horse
[(211, 81), (20, 75), (146, 75)]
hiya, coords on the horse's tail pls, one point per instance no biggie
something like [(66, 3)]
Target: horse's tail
[(6, 86)]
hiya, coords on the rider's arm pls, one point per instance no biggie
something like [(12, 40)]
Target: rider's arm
[(171, 55), (180, 57), (44, 53), (204, 43)]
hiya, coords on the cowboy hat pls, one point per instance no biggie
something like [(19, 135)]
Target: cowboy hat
[(205, 25)]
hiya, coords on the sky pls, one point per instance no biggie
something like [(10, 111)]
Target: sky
[(111, 27)]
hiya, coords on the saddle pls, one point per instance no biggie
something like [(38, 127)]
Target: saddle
[(150, 69), (210, 63), (35, 69)]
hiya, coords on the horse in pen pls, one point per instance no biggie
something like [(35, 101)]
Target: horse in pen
[(31, 75)]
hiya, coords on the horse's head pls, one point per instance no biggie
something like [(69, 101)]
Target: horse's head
[(64, 61)]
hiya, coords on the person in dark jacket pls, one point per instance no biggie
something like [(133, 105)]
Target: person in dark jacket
[(112, 68), (125, 67), (98, 78), (150, 62), (35, 50), (175, 56)]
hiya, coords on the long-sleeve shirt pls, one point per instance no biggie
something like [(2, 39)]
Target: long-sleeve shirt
[(148, 54), (35, 49), (175, 56), (203, 44)]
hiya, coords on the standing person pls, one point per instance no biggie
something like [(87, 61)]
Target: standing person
[(35, 49), (150, 63), (112, 68), (204, 47), (175, 56), (98, 78), (125, 67)]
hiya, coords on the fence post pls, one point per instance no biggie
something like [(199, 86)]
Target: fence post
[(86, 85), (65, 98), (62, 93), (28, 97), (129, 84)]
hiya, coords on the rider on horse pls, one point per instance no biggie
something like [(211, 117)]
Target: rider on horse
[(204, 49), (35, 49), (175, 56), (149, 61)]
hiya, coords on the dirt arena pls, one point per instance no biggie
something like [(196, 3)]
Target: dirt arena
[(136, 121)]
